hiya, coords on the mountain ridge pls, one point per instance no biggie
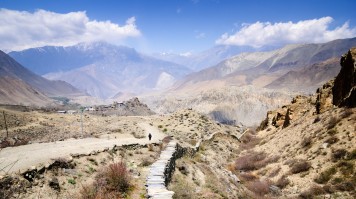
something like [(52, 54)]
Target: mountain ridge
[(262, 68), (10, 70)]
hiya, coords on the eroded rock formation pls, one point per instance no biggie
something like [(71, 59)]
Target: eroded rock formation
[(344, 90)]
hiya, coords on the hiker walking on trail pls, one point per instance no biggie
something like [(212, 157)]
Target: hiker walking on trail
[(149, 136)]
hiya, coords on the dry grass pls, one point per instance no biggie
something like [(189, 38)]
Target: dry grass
[(182, 188)]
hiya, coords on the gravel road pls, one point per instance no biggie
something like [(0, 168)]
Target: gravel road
[(13, 159)]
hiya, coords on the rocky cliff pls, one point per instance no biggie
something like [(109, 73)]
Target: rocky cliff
[(344, 90)]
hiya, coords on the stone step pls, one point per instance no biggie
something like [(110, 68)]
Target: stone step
[(155, 181)]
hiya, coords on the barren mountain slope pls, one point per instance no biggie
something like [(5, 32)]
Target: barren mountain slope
[(306, 148), (307, 78), (9, 67), (15, 91)]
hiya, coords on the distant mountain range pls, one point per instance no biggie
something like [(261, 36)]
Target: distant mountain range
[(249, 84), (101, 69), (263, 68), (21, 85), (210, 57)]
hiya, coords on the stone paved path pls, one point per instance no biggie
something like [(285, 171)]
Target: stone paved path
[(156, 180)]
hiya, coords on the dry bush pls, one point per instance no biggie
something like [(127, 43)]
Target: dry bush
[(112, 182), (306, 142), (146, 162), (282, 182), (61, 163), (138, 135), (300, 166), (13, 142), (332, 132), (118, 177), (346, 113), (312, 192), (258, 187), (351, 155), (249, 140), (274, 172), (250, 161), (11, 186), (325, 176), (150, 147), (332, 122), (332, 140), (247, 176), (317, 119), (167, 139), (349, 185), (254, 160)]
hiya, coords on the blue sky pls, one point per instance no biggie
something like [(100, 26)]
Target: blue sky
[(177, 26)]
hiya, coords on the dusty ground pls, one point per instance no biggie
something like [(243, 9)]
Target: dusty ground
[(38, 126), (63, 130)]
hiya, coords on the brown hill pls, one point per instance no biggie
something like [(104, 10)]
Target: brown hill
[(10, 68), (16, 91), (307, 78)]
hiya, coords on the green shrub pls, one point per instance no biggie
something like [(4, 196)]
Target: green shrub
[(346, 167), (71, 181), (338, 154), (325, 176)]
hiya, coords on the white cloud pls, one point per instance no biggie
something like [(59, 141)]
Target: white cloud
[(308, 31), (20, 29)]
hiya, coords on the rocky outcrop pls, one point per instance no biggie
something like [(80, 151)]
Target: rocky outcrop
[(324, 97), (344, 90)]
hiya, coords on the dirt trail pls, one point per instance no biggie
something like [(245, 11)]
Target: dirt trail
[(13, 159)]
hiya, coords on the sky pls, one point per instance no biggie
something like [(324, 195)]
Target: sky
[(174, 26)]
